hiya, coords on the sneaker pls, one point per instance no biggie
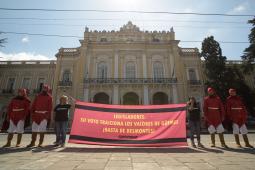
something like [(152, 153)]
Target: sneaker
[(30, 145), (193, 145), (7, 145), (238, 146), (40, 146), (200, 145), (249, 146), (224, 145)]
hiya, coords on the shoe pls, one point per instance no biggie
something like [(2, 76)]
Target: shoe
[(7, 145), (40, 146), (248, 146), (238, 146), (30, 145), (213, 145), (63, 145), (193, 145), (17, 145), (200, 145), (224, 145)]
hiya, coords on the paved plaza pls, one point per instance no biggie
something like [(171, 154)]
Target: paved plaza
[(86, 157)]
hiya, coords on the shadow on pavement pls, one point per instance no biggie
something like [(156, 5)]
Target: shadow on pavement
[(240, 150), (24, 149), (138, 150)]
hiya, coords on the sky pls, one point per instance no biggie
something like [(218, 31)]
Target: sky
[(186, 27)]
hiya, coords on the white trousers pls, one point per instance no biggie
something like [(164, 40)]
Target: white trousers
[(239, 129), (218, 129), (39, 127), (19, 128)]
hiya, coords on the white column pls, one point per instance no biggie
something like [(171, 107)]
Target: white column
[(175, 93), (116, 75), (86, 94), (116, 65), (145, 95), (115, 94), (86, 75), (172, 65), (144, 66), (145, 87)]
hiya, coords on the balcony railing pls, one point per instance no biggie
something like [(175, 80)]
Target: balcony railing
[(36, 91), (65, 83), (194, 82), (130, 81), (8, 91)]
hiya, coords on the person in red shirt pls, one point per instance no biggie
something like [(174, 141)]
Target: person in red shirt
[(214, 113), (41, 114), (237, 112), (17, 111)]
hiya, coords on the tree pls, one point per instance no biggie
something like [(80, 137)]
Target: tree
[(215, 67), (249, 53), (2, 41), (236, 80), (221, 76)]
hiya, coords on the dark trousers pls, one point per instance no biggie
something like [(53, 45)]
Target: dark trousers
[(60, 128), (194, 129)]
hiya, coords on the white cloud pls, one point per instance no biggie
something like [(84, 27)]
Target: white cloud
[(23, 56), (25, 40), (240, 8), (188, 10), (210, 32)]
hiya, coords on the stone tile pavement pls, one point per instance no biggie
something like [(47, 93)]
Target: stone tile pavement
[(92, 157)]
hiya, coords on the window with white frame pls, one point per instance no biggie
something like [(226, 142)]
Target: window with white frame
[(192, 74), (102, 70), (66, 76), (130, 70), (40, 83), (26, 83), (158, 70), (10, 84)]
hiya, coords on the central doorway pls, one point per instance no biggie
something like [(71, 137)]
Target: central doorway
[(130, 98), (102, 98), (160, 98)]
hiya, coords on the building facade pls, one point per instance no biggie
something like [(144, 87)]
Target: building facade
[(30, 75), (129, 66)]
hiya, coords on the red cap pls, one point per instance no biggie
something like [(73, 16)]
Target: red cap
[(231, 90), (210, 89)]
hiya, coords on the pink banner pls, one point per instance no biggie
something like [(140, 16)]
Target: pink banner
[(122, 125)]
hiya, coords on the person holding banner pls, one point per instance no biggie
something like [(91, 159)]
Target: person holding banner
[(16, 114), (41, 113), (61, 120), (194, 121), (214, 115), (238, 115)]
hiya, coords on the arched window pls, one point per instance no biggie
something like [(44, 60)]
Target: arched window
[(66, 76), (130, 70), (192, 74), (158, 70), (102, 70)]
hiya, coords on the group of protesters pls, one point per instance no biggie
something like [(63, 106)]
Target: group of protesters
[(215, 113), (19, 108)]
